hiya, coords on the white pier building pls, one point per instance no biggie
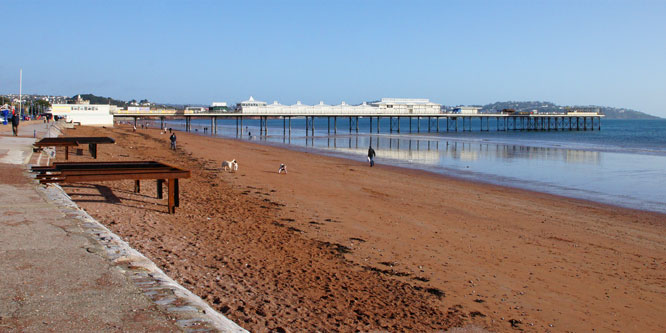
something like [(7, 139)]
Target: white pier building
[(385, 106)]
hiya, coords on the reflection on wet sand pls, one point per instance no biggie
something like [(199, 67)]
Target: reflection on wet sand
[(432, 152)]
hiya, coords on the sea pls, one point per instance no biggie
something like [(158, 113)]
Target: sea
[(622, 164)]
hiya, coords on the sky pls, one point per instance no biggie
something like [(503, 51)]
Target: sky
[(610, 53)]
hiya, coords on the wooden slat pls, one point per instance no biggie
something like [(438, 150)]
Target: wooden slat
[(74, 172)]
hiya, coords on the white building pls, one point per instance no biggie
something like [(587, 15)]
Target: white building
[(466, 110), (407, 105), (384, 106), (250, 103), (86, 114), (195, 109)]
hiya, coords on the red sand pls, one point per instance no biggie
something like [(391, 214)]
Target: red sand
[(336, 245)]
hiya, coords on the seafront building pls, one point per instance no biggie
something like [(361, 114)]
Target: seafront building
[(414, 106), (86, 114)]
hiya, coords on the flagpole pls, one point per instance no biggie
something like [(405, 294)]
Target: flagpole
[(20, 88)]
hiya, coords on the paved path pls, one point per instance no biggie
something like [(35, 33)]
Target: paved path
[(61, 271)]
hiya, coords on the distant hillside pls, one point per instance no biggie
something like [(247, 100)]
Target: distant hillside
[(101, 100), (618, 113), (610, 112), (108, 100)]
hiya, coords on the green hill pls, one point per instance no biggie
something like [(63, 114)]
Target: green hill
[(610, 112), (100, 100)]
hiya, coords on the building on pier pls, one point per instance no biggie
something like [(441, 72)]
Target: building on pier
[(407, 106), (383, 106), (583, 111), (219, 107), (466, 110)]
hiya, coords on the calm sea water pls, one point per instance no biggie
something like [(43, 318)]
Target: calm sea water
[(622, 164)]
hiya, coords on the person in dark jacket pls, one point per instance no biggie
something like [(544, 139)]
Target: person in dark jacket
[(371, 156), (15, 123), (173, 141)]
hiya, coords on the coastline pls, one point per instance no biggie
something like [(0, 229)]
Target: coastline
[(499, 253), (582, 170)]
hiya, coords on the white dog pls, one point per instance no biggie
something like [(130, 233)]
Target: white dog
[(230, 165), (282, 168)]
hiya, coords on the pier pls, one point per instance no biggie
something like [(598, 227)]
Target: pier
[(435, 122)]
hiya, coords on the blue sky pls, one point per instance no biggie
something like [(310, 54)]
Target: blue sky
[(453, 52)]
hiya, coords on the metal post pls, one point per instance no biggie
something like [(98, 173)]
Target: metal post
[(335, 125), (329, 124), (307, 126), (418, 124), (370, 124), (313, 125), (398, 128), (378, 121), (390, 124), (350, 124)]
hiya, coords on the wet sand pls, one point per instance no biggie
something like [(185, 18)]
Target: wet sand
[(337, 245)]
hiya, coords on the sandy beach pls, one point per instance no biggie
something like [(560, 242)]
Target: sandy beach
[(337, 245)]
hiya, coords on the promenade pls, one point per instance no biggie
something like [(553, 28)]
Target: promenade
[(61, 271)]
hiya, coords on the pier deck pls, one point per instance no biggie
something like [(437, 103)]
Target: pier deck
[(436, 122)]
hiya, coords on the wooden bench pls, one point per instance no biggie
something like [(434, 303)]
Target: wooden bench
[(73, 141), (75, 172)]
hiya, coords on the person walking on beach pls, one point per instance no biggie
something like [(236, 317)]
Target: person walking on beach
[(173, 141), (15, 123), (371, 156)]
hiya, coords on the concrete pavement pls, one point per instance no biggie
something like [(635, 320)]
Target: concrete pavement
[(62, 271)]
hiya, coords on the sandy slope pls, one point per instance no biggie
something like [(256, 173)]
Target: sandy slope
[(338, 245)]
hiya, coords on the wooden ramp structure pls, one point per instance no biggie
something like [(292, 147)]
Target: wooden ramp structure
[(73, 141), (75, 172)]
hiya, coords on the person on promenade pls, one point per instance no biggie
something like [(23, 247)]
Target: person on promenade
[(173, 141), (371, 156), (15, 123)]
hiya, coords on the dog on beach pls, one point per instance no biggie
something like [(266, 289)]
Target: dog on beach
[(283, 168), (230, 165)]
